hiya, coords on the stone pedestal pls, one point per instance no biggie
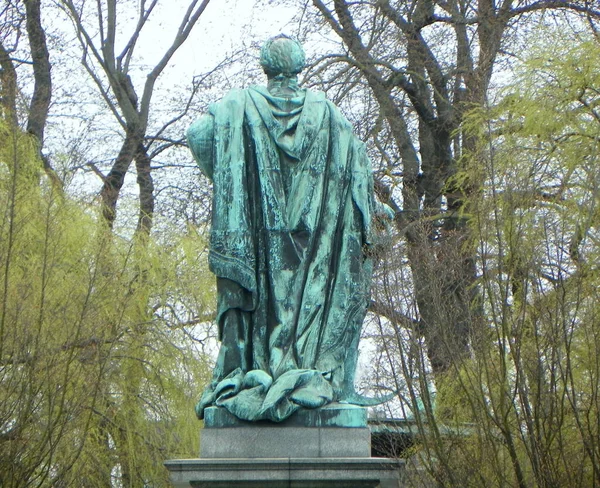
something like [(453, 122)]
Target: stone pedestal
[(334, 431), (324, 448), (286, 473)]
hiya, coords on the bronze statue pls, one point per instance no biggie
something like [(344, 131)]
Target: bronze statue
[(293, 220)]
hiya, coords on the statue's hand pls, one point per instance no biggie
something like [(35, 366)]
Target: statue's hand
[(384, 211), (382, 230)]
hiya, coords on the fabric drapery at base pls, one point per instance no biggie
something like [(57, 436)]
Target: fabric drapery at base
[(255, 396)]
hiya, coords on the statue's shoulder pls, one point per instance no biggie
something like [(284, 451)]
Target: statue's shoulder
[(320, 103), (236, 94), (337, 116), (231, 104), (316, 95), (319, 97), (258, 89)]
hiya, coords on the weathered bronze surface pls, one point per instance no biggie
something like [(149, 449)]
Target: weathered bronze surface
[(293, 220)]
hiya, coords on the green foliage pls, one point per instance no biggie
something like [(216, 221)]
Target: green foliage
[(98, 370), (525, 406)]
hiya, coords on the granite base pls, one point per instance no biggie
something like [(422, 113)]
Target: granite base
[(285, 442), (335, 431), (286, 473), (322, 448)]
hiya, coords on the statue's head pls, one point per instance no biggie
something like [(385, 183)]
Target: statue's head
[(282, 55)]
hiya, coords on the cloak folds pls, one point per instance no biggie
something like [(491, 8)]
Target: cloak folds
[(292, 208)]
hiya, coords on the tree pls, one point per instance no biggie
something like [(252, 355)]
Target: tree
[(100, 337), (111, 72), (95, 388), (37, 113), (523, 408), (426, 63)]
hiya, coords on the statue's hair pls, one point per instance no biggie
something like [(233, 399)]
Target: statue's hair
[(282, 55)]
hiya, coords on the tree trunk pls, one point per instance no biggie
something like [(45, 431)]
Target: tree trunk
[(113, 182), (146, 187), (42, 90)]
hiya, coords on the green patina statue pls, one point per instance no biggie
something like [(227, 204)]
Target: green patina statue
[(294, 217)]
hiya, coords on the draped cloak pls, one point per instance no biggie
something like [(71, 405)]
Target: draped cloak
[(292, 208)]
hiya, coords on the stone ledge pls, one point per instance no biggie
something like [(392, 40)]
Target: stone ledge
[(260, 441), (286, 473)]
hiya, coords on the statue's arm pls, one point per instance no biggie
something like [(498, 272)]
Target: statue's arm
[(383, 210), (377, 216), (200, 138)]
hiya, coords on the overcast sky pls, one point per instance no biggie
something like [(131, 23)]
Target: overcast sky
[(221, 29)]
